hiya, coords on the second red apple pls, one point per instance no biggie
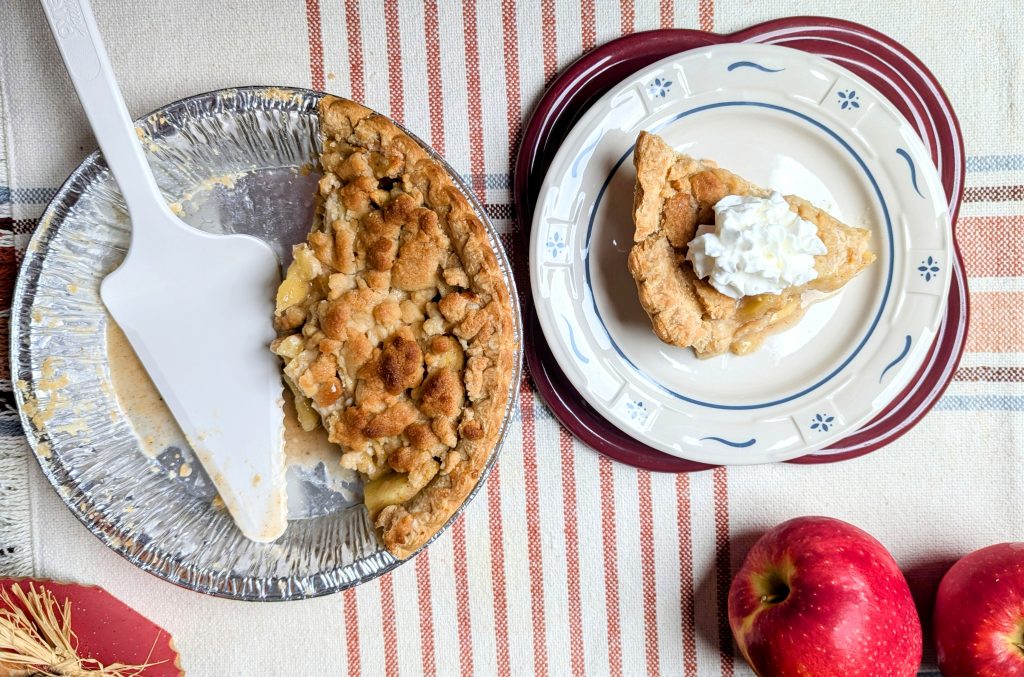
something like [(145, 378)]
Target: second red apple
[(979, 614)]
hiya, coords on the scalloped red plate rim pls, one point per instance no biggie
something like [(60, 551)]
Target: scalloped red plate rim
[(592, 74)]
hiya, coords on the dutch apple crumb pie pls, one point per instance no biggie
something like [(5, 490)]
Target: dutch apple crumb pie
[(677, 198), (395, 325)]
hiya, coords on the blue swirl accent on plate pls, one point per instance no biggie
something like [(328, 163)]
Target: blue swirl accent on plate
[(913, 170), (579, 158), (751, 64), (572, 343), (899, 358), (728, 442)]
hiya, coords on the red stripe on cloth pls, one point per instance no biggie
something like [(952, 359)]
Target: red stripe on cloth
[(352, 631), (8, 274), (497, 212), (8, 277), (22, 226), (706, 14), (627, 14), (723, 571), (526, 403), (434, 88), (993, 193), (668, 14), (424, 601), (316, 44), (648, 576), (514, 113), (387, 618), (5, 344), (465, 624), (498, 572), (473, 100), (991, 245), (533, 538), (990, 374), (588, 27), (572, 552), (611, 572), (549, 39), (354, 35), (686, 585), (478, 167), (393, 40), (997, 322)]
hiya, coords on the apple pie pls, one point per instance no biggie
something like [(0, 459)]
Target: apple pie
[(395, 326), (675, 195)]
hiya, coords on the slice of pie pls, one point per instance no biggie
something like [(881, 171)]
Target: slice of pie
[(675, 195), (396, 327)]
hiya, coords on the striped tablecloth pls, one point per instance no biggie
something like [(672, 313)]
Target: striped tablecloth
[(567, 563)]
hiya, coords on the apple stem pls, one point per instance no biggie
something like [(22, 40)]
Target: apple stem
[(1019, 646), (775, 588)]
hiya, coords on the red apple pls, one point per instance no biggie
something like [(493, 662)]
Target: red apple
[(979, 614), (818, 597)]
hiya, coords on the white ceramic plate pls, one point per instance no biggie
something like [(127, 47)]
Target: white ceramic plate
[(789, 121)]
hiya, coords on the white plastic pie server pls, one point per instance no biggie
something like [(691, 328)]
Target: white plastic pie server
[(196, 307)]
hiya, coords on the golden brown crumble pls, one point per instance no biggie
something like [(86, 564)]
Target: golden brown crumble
[(395, 325)]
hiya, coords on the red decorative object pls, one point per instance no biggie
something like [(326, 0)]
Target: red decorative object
[(108, 630)]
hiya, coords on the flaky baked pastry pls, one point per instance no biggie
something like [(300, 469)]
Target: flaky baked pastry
[(675, 194), (396, 326)]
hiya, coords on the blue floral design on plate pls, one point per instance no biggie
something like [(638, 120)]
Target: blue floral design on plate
[(636, 409), (659, 88), (822, 422), (555, 245), (848, 99), (929, 269)]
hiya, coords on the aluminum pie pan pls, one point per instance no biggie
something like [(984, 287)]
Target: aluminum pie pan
[(241, 160)]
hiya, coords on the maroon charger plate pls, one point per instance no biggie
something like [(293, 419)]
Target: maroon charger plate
[(891, 68)]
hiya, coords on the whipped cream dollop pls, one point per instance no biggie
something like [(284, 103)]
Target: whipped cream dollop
[(757, 246)]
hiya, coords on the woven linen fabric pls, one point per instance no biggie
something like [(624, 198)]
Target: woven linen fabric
[(566, 563)]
